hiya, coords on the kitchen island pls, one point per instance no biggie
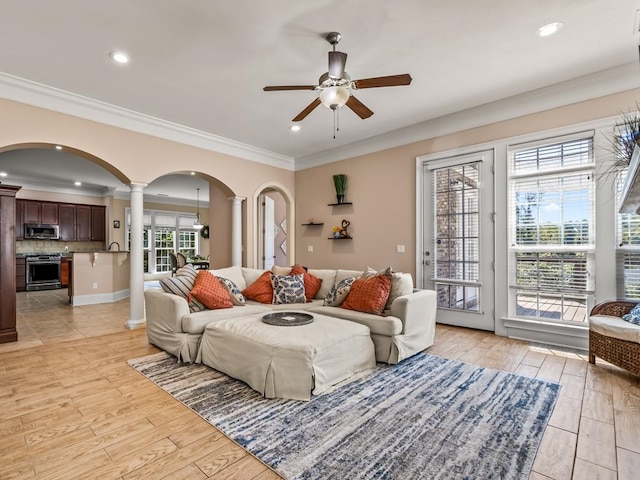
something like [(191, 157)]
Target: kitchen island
[(98, 277)]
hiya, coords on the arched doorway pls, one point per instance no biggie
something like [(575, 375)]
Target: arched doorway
[(275, 230)]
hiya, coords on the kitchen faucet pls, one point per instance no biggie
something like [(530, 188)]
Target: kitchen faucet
[(113, 243)]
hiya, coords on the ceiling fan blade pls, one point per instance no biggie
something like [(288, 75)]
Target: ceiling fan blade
[(289, 87), (337, 62), (358, 107), (390, 81), (307, 110)]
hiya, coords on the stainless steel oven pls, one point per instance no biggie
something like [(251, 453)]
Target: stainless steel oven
[(43, 272)]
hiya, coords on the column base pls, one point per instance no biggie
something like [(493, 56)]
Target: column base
[(133, 324)]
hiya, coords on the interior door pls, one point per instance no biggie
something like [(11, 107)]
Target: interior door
[(458, 238)]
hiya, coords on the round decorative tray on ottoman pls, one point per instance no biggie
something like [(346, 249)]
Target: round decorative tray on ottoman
[(287, 319)]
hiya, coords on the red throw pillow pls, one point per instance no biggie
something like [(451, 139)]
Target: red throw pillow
[(368, 295), (210, 291), (312, 283), (261, 290)]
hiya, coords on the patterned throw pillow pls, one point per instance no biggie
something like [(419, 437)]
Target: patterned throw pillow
[(311, 283), (288, 289), (368, 295), (633, 316), (211, 291), (370, 272), (339, 292), (182, 286), (261, 290), (234, 292), (187, 271)]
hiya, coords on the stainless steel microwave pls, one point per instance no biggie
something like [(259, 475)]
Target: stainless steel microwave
[(39, 231)]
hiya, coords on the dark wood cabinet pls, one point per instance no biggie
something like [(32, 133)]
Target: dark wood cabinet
[(32, 211), (83, 223), (67, 222), (98, 228), (19, 219), (49, 213), (8, 332), (21, 274), (64, 272)]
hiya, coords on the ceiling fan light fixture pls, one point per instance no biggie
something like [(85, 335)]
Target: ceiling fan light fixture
[(334, 97)]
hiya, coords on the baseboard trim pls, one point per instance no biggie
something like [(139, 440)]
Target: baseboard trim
[(78, 300), (561, 335)]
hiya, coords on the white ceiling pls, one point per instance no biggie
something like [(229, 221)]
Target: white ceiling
[(202, 64)]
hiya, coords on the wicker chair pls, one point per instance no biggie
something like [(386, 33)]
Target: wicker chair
[(604, 342)]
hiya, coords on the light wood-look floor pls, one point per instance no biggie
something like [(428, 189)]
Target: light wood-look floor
[(71, 408)]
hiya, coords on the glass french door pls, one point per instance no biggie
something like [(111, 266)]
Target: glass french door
[(458, 238)]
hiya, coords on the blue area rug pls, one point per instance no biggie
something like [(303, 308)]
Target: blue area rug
[(426, 418)]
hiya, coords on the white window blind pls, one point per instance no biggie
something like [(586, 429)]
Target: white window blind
[(552, 244), (628, 249)]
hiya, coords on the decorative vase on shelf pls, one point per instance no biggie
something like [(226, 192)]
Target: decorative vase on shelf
[(340, 183), (340, 198)]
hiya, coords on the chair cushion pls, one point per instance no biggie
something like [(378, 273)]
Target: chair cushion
[(615, 327)]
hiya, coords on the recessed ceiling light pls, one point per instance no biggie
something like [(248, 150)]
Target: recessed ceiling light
[(549, 29), (294, 128), (3, 174), (119, 57), (77, 184), (58, 147)]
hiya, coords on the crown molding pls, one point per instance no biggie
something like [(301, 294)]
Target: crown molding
[(606, 82), (50, 98)]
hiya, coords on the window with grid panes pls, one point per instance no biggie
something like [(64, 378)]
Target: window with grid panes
[(552, 248)]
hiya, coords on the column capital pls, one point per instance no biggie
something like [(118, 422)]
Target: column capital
[(137, 186), (237, 199)]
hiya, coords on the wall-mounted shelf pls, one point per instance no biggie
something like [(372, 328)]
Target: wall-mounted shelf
[(314, 224), (340, 238), (338, 204)]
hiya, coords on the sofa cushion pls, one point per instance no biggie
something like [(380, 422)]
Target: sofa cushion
[(261, 289), (251, 275), (234, 291), (232, 273), (196, 322), (387, 326), (278, 270), (401, 284), (339, 292), (182, 286), (211, 291), (370, 272), (342, 274), (328, 278), (368, 295), (288, 289), (286, 307), (311, 282)]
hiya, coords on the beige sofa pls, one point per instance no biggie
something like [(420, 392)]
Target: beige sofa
[(405, 329)]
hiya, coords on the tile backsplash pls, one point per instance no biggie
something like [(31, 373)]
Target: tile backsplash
[(56, 246)]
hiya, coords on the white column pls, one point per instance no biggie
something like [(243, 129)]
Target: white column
[(136, 263), (236, 230)]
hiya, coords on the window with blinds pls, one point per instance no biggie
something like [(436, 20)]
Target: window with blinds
[(552, 247), (628, 249)]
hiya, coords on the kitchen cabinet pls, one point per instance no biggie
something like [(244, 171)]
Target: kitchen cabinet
[(64, 272), (90, 223), (39, 212), (19, 219), (8, 332), (21, 274), (67, 222)]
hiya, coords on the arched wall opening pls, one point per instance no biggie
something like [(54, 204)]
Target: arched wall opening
[(273, 209)]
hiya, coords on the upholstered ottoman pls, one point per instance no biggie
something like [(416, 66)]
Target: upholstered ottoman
[(287, 361)]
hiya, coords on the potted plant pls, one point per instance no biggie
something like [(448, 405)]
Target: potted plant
[(340, 183), (623, 140)]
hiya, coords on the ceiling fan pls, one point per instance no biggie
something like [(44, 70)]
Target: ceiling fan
[(335, 86)]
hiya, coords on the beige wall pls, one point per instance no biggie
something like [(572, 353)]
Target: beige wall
[(382, 187), (135, 157)]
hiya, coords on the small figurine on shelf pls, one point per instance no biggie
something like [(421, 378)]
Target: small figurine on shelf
[(344, 232), (311, 222), (336, 232)]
